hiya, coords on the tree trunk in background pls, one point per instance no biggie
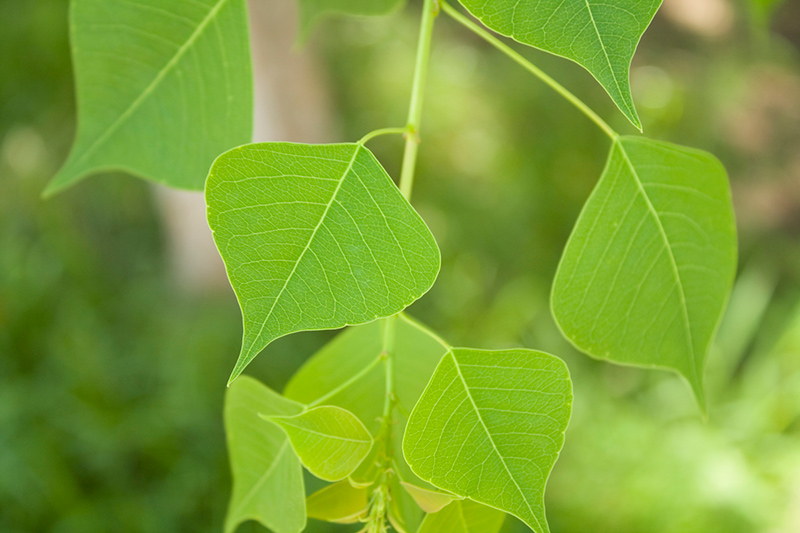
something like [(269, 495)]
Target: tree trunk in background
[(290, 105)]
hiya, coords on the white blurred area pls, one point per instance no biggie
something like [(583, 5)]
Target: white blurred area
[(290, 105)]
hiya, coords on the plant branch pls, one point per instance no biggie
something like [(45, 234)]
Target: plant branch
[(430, 9), (530, 67)]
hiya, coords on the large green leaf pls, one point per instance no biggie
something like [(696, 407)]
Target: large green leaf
[(312, 10), (464, 517), (648, 268), (490, 426), (267, 475), (314, 237), (163, 87), (599, 35), (330, 441)]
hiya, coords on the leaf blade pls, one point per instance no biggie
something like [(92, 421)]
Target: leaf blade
[(474, 388), (265, 470), (463, 516), (330, 441), (314, 237), (579, 30), (340, 503), (685, 233), (132, 61)]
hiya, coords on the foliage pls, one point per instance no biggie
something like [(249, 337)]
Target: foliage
[(380, 473)]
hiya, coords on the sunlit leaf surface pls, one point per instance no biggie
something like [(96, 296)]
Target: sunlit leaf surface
[(647, 271), (163, 87), (314, 237)]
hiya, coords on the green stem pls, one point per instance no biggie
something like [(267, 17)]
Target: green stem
[(430, 9), (530, 67), (383, 131)]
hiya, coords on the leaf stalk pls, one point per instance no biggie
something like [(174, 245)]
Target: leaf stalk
[(530, 67)]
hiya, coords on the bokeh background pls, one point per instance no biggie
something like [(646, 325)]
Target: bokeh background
[(117, 330)]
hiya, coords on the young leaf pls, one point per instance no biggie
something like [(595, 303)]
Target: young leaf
[(405, 515), (430, 501), (464, 517), (490, 426), (312, 10), (647, 270), (330, 441), (163, 87), (314, 237), (340, 503), (600, 36), (267, 475)]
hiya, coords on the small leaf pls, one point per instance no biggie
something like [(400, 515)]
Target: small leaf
[(267, 475), (599, 35), (490, 426), (405, 515), (464, 517), (163, 87), (340, 503), (430, 501), (314, 237), (648, 268), (330, 441), (312, 10)]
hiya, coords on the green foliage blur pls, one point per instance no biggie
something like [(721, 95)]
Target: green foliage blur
[(112, 376)]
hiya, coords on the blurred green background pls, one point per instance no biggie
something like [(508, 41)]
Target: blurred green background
[(112, 374)]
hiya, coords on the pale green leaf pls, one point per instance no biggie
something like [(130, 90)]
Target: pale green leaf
[(163, 87), (430, 501), (464, 517), (267, 475), (330, 441), (314, 237), (599, 35), (313, 10), (490, 426), (405, 515), (646, 273), (340, 503)]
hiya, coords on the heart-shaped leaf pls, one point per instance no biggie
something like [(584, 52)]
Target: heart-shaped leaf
[(490, 426), (464, 517), (163, 87), (599, 35), (314, 237), (648, 268), (267, 475), (330, 441)]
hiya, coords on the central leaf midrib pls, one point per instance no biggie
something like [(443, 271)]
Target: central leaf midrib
[(605, 53), (673, 262), (306, 248), (491, 440), (162, 73)]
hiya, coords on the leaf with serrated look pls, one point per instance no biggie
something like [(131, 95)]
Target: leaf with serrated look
[(314, 237), (648, 268), (463, 517), (490, 426), (599, 35), (267, 476), (163, 87), (330, 441)]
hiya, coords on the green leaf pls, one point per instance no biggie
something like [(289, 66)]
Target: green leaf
[(404, 514), (490, 426), (330, 441), (313, 10), (340, 503), (163, 87), (599, 35), (267, 475), (648, 268), (464, 517), (314, 237), (430, 501)]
